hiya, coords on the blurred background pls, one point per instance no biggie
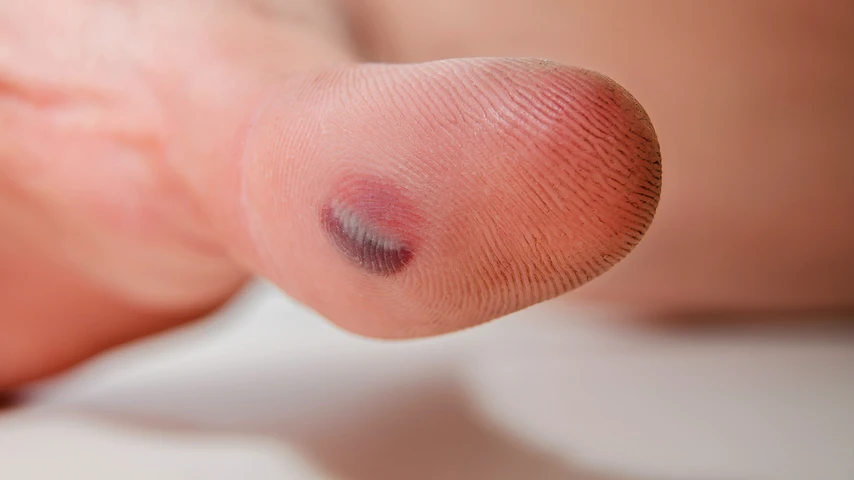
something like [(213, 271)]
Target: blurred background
[(265, 389)]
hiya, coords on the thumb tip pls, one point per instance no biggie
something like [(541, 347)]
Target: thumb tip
[(513, 181)]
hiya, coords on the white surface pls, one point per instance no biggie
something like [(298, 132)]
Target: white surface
[(265, 389)]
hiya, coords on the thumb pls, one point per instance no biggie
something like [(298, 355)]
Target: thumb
[(412, 200)]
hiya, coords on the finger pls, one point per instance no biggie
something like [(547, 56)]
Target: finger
[(413, 200), (53, 318), (101, 244)]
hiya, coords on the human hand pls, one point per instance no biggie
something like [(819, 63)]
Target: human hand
[(156, 154)]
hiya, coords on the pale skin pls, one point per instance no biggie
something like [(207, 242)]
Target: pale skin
[(156, 154)]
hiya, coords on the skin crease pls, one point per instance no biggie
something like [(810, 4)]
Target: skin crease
[(117, 159)]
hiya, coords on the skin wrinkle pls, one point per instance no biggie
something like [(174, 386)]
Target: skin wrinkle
[(548, 260), (493, 259), (554, 205), (630, 213), (539, 279)]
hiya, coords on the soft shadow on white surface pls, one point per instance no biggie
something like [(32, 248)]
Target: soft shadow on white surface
[(544, 394), (67, 446)]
